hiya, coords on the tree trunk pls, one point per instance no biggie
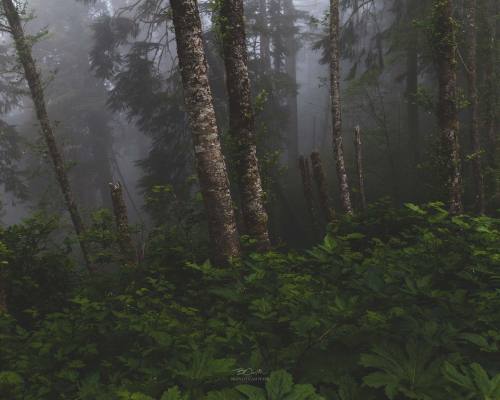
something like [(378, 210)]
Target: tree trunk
[(305, 173), (320, 179), (242, 123), (471, 46), (446, 48), (211, 167), (125, 242), (291, 70), (359, 166), (34, 82), (338, 148), (276, 17), (3, 296), (265, 51), (411, 92), (491, 98)]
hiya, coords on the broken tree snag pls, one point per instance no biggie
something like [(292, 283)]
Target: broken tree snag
[(122, 226), (32, 76), (336, 107), (320, 179), (358, 149), (3, 295), (305, 173)]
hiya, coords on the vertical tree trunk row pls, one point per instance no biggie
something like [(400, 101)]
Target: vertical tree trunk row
[(338, 148), (210, 164), (35, 85), (358, 149), (241, 122), (446, 49)]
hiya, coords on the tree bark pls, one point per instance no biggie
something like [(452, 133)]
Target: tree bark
[(242, 122), (3, 295), (358, 149), (292, 133), (265, 51), (210, 164), (276, 17), (411, 91), (321, 184), (32, 76), (338, 148), (125, 242), (491, 98), (446, 48), (305, 173), (471, 46)]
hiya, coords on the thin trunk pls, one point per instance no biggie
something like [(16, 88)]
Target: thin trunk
[(411, 93), (305, 173), (211, 167), (125, 241), (491, 98), (321, 184), (291, 70), (359, 166), (34, 82), (338, 148), (3, 295), (265, 51), (242, 123), (276, 17), (446, 49), (474, 105)]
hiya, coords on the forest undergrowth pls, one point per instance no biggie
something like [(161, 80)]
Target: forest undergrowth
[(393, 304)]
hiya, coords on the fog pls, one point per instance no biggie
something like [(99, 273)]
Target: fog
[(107, 138)]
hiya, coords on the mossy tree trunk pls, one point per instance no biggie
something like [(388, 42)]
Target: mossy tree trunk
[(242, 122), (33, 78), (322, 186), (210, 163), (446, 57), (122, 225)]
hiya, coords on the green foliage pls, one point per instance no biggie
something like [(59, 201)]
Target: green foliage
[(475, 380), (397, 304)]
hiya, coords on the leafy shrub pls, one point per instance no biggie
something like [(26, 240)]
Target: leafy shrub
[(410, 313)]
